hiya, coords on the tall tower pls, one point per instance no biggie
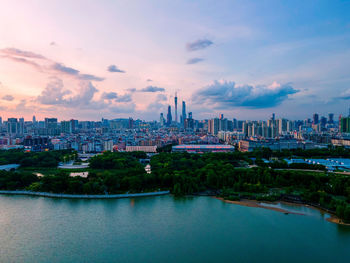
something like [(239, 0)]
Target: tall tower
[(168, 117), (161, 120), (183, 111), (176, 107)]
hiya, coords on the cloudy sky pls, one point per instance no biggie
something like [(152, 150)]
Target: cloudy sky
[(246, 59)]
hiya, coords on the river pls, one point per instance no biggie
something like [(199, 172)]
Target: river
[(164, 229)]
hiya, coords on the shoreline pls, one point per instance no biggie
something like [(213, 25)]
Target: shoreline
[(254, 203), (245, 202), (76, 196), (336, 220)]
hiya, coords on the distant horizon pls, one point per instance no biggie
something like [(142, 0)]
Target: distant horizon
[(335, 118)]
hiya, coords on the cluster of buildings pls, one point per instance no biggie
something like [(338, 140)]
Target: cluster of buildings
[(127, 134), (186, 121)]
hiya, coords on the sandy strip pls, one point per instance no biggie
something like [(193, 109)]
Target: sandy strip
[(336, 220), (252, 203)]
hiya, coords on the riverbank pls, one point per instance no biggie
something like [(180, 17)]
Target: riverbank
[(254, 203), (73, 196), (336, 220)]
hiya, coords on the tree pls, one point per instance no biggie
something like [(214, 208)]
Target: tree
[(177, 190), (340, 210), (347, 213)]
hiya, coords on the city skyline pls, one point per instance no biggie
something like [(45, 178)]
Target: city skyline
[(242, 59)]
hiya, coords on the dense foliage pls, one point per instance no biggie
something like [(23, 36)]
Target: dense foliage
[(117, 160), (13, 180), (109, 173), (34, 159)]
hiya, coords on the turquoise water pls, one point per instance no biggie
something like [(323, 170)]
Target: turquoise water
[(163, 229)]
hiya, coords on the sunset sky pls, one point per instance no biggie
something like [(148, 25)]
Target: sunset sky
[(92, 59)]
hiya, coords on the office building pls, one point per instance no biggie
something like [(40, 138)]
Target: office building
[(175, 107), (183, 116), (169, 117)]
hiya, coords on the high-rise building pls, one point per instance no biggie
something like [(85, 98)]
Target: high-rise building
[(315, 119), (20, 128), (213, 126), (222, 123), (34, 121), (189, 122), (66, 127), (161, 120), (344, 124), (245, 128), (330, 118), (74, 124), (51, 123), (183, 112), (282, 126), (234, 124), (290, 126), (12, 126), (131, 123), (176, 107), (51, 126), (169, 118)]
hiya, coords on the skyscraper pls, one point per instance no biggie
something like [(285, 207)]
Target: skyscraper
[(189, 122), (176, 107), (213, 126), (331, 118), (344, 124), (12, 126), (315, 119), (183, 111), (323, 121), (51, 123), (161, 120), (34, 121), (273, 116), (169, 118)]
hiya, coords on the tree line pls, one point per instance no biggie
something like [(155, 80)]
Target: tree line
[(35, 159)]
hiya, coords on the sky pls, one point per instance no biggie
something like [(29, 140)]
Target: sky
[(89, 60)]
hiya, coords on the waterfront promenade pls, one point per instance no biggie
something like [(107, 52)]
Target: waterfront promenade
[(53, 195)]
